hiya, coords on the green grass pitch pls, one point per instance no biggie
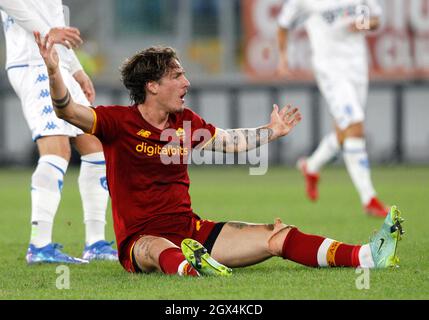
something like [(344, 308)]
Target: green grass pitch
[(228, 193)]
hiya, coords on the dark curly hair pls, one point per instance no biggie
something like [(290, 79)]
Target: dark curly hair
[(147, 65)]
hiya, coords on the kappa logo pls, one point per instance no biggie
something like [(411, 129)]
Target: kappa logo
[(47, 109), (144, 133), (44, 93), (180, 133), (41, 78), (50, 125)]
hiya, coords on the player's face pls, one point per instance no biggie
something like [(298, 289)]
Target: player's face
[(172, 89)]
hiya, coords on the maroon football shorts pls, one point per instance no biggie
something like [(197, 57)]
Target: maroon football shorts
[(175, 228)]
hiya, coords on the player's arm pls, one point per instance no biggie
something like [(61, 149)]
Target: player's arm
[(292, 11), (71, 60), (76, 69), (374, 24), (238, 140), (19, 11), (64, 106), (282, 43)]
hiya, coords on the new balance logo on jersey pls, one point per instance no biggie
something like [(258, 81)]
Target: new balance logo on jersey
[(144, 133), (41, 78), (50, 126), (44, 93), (47, 110)]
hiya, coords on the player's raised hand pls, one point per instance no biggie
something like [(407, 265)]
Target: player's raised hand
[(283, 121), (67, 36), (47, 51)]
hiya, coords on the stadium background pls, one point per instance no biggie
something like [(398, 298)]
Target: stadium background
[(229, 51)]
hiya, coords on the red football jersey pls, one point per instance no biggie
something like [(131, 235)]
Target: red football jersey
[(147, 171)]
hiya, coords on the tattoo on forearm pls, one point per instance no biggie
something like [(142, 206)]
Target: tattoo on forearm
[(238, 140)]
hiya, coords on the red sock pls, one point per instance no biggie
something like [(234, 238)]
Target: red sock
[(315, 251), (170, 259)]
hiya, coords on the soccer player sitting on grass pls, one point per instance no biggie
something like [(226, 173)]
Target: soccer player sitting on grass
[(155, 226)]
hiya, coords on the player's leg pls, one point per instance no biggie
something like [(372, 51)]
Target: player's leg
[(46, 186), (152, 253), (326, 150), (94, 194), (328, 147), (241, 244), (351, 134), (311, 166), (92, 185), (51, 136)]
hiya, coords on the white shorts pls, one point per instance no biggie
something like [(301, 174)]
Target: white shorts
[(31, 84), (345, 93)]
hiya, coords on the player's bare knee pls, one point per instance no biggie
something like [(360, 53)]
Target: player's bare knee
[(54, 145), (277, 237), (87, 144), (355, 130)]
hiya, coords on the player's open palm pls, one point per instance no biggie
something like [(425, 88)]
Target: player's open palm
[(283, 121), (47, 51)]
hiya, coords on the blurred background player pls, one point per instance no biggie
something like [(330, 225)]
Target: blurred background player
[(28, 77), (339, 58)]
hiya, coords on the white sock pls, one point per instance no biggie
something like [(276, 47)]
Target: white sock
[(365, 257), (94, 194), (356, 159), (41, 233), (46, 186), (181, 267), (94, 231), (326, 150)]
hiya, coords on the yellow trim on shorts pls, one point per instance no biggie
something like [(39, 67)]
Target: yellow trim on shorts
[(94, 125), (131, 254)]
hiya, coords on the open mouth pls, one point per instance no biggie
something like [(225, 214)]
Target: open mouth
[(182, 97)]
